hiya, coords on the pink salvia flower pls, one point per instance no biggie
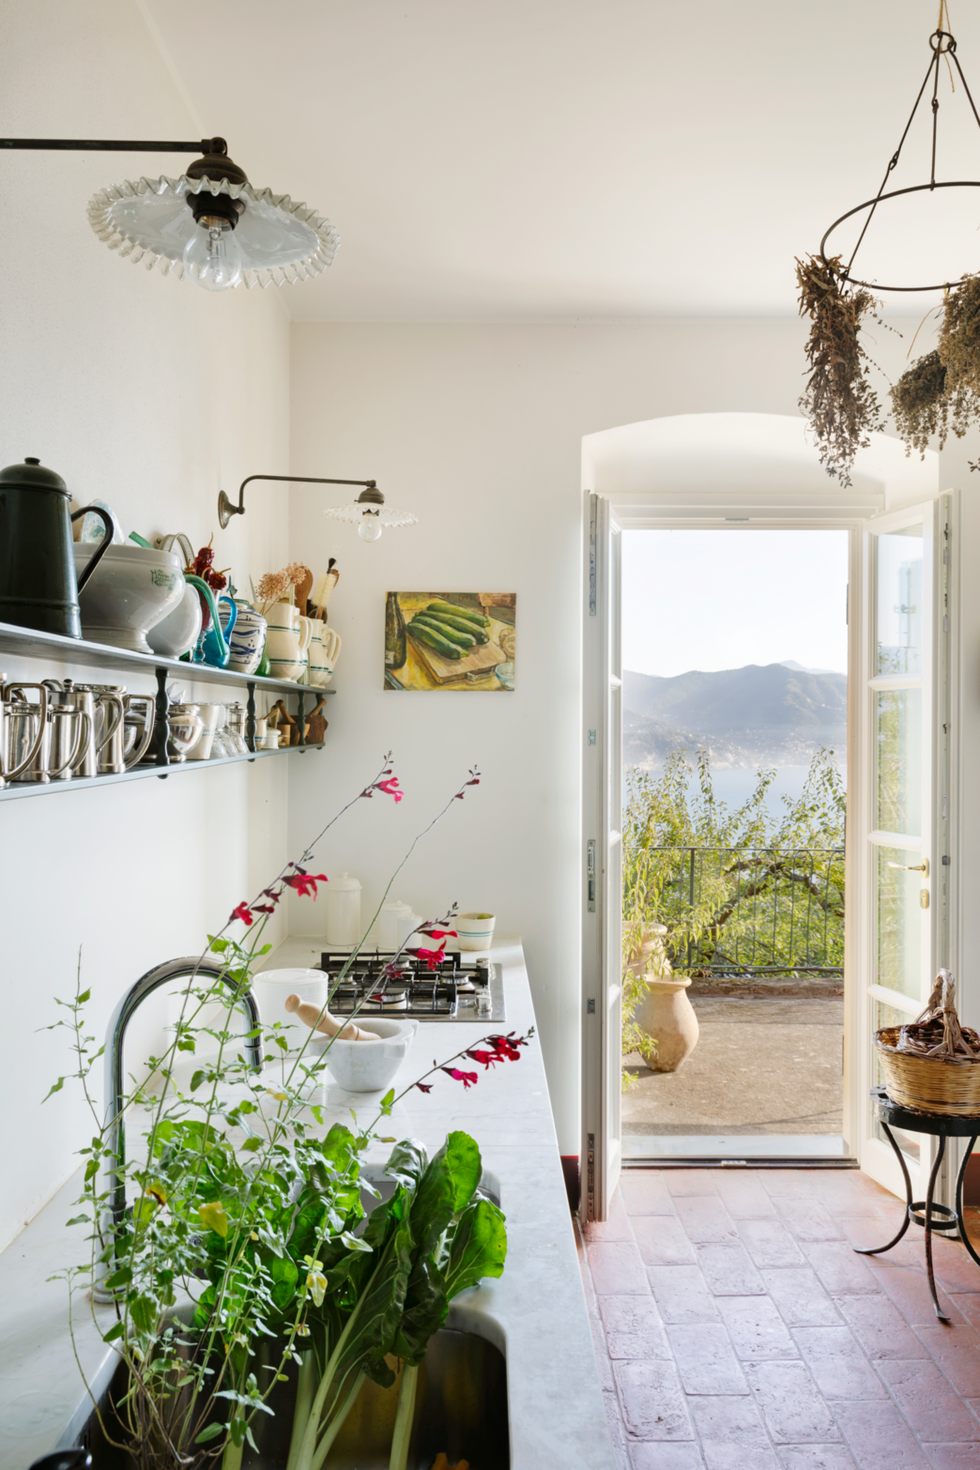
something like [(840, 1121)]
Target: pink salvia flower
[(390, 788), (439, 933), (486, 1058), (263, 908), (468, 1079), (432, 957), (242, 912)]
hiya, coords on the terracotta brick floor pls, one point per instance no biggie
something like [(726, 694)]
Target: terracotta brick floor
[(735, 1328)]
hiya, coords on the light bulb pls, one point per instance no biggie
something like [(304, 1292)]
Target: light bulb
[(212, 257), (370, 528)]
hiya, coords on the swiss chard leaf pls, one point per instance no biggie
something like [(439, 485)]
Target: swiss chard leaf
[(478, 1247)]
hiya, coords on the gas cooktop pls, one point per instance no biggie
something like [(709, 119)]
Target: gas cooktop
[(377, 984)]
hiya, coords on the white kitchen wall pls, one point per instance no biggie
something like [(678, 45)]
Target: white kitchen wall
[(478, 429), (150, 394)]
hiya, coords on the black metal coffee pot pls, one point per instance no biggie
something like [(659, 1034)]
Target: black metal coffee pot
[(37, 567)]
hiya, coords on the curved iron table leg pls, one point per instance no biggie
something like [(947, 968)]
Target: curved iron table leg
[(928, 1225), (959, 1198), (877, 1249)]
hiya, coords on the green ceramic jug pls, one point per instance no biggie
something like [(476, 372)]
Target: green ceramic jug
[(37, 570)]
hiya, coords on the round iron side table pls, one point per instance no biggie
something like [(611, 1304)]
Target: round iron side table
[(925, 1212)]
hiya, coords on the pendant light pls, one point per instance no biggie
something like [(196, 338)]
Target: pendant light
[(943, 45), (210, 224), (368, 512)]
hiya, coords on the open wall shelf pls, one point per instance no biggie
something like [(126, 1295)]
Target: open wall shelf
[(51, 647), (16, 789), (30, 643)]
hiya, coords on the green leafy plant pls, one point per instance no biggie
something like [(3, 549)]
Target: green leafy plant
[(243, 1244), (744, 860)]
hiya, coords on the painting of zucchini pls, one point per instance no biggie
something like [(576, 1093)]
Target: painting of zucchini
[(450, 640)]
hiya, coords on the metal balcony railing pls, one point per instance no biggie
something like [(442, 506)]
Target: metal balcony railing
[(742, 911)]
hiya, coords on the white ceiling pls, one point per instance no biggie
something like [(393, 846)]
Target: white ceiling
[(563, 159)]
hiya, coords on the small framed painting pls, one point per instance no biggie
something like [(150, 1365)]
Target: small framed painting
[(450, 640)]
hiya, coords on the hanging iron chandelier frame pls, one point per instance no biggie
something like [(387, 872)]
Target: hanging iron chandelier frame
[(942, 43)]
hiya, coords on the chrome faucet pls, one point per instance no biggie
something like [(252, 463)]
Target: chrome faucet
[(185, 968)]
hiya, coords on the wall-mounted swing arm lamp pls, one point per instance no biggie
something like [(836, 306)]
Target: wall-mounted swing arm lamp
[(368, 512), (231, 234)]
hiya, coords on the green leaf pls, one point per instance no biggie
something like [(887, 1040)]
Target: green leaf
[(251, 1145), (81, 999), (114, 1332), (212, 1430), (55, 1087), (143, 1312), (122, 1277), (214, 1217), (197, 1079), (79, 1220), (388, 1098), (91, 1169), (478, 1247)]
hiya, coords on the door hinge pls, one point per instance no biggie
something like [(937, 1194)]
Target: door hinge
[(592, 737), (590, 1006), (590, 873), (590, 1178)]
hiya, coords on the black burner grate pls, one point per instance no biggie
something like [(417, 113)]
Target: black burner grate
[(377, 984)]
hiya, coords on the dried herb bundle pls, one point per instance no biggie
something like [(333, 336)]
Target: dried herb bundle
[(925, 405), (839, 402), (959, 336)]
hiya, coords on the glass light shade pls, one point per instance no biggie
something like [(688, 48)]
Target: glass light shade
[(150, 222), (354, 515)]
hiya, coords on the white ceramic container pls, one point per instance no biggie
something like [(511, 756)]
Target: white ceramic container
[(368, 1066), (287, 641), (324, 650), (202, 750), (247, 639), (271, 987), (475, 930), (131, 590), (343, 911), (393, 913), (179, 631)]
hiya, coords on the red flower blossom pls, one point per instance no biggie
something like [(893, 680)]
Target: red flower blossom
[(432, 957), (468, 1079), (263, 908), (485, 1058), (438, 933), (242, 912), (390, 788), (305, 883), (424, 1086), (507, 1046)]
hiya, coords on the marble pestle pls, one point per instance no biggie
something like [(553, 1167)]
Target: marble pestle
[(318, 1020)]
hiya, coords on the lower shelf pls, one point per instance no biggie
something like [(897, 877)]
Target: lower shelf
[(18, 789)]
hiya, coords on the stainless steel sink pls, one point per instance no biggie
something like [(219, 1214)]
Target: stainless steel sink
[(461, 1409)]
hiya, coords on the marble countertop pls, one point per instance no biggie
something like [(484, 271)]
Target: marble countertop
[(535, 1312)]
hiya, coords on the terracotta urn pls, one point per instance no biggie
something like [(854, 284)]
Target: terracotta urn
[(665, 1013)]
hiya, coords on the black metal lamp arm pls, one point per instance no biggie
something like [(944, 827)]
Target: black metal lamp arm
[(226, 509), (113, 145)]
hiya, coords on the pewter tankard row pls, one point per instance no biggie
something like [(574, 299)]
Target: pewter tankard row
[(39, 741)]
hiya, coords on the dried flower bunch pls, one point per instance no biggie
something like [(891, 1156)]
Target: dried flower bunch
[(276, 586), (959, 336), (839, 402)]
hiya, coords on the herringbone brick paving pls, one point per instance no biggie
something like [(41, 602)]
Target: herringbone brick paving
[(735, 1328)]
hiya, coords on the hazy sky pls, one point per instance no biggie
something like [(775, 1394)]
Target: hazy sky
[(722, 599)]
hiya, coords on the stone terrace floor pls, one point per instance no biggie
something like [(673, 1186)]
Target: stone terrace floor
[(735, 1328)]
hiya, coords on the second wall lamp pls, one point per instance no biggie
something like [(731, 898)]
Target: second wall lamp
[(368, 512)]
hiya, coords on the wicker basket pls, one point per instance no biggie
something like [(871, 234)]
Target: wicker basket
[(933, 1065)]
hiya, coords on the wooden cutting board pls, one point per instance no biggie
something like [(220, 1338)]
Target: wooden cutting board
[(477, 663)]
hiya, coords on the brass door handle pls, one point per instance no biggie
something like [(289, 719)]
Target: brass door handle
[(922, 867)]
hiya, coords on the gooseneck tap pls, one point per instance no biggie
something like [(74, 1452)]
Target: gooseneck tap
[(186, 968)]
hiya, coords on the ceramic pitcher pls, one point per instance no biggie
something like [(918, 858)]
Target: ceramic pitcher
[(247, 639), (287, 641), (324, 651)]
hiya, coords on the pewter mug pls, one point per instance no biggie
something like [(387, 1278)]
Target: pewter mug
[(103, 705), (124, 746), (22, 727), (55, 746)]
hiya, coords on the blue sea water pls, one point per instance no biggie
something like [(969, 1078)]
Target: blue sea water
[(736, 785)]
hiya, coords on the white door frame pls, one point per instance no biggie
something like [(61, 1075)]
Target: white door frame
[(640, 511)]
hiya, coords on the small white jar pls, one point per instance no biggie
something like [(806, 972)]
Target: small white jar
[(392, 914), (343, 906)]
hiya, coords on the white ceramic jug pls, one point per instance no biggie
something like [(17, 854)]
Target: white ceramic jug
[(287, 641), (324, 651)]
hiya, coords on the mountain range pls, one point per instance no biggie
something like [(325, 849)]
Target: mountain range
[(777, 714)]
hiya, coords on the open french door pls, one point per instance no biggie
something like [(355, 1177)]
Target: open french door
[(602, 864), (899, 845)]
